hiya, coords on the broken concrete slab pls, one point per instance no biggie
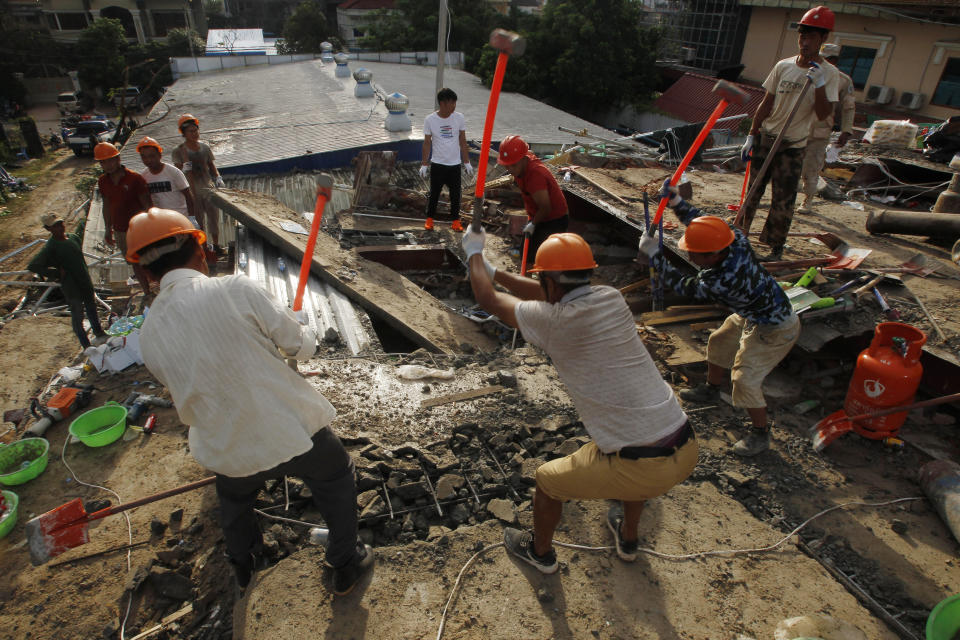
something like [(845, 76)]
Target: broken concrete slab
[(384, 293)]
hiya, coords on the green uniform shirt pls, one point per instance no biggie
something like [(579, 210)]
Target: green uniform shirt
[(62, 260)]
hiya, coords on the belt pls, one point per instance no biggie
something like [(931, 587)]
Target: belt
[(635, 453)]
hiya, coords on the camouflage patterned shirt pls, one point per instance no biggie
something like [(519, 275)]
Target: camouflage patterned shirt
[(739, 282)]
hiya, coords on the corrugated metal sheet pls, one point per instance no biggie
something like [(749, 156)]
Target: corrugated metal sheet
[(691, 99)]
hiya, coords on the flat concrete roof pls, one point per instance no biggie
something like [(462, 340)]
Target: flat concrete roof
[(273, 112)]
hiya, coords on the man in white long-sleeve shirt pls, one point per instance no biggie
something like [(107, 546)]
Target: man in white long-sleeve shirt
[(218, 345)]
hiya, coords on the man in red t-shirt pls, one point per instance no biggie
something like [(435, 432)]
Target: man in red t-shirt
[(542, 198), (125, 194)]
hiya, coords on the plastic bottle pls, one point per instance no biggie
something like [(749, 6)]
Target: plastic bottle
[(567, 177), (281, 265), (319, 536), (242, 260)]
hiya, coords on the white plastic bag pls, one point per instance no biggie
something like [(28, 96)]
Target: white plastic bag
[(418, 372), (833, 154)]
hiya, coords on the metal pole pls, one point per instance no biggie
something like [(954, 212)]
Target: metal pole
[(441, 46)]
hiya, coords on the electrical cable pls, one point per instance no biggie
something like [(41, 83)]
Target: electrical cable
[(126, 516)]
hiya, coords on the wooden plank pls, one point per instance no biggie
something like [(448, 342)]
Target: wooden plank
[(601, 187), (384, 293), (639, 284), (656, 318), (463, 395), (709, 326), (170, 619)]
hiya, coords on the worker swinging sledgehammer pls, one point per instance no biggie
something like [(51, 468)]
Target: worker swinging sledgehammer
[(641, 443), (752, 340)]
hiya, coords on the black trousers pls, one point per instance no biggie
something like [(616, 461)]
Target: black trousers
[(444, 175), (327, 469), (543, 231), (77, 308)]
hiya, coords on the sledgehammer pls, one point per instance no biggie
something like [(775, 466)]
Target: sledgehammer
[(729, 93), (508, 44)]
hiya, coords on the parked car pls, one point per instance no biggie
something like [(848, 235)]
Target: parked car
[(73, 102), (82, 138), (133, 98)]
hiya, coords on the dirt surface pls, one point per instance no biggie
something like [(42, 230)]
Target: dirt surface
[(901, 554)]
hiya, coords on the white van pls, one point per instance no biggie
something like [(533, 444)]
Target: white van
[(68, 103)]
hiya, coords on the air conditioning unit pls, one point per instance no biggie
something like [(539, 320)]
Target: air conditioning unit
[(879, 94), (910, 100)]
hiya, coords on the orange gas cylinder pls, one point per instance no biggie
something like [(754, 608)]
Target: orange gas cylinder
[(887, 375)]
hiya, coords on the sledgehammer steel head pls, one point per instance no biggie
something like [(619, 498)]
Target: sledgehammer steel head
[(325, 181), (508, 42), (729, 92)]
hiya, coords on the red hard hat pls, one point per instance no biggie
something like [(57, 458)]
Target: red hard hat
[(185, 118), (819, 17), (512, 149), (148, 142), (563, 252), (706, 234)]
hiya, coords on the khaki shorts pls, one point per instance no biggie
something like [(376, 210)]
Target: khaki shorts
[(590, 474), (751, 351)]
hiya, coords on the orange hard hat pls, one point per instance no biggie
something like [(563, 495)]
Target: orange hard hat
[(105, 151), (185, 118), (706, 234), (563, 252), (148, 142), (512, 149), (820, 17), (154, 225)]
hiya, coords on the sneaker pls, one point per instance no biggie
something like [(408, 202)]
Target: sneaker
[(346, 578), (755, 442), (775, 255), (805, 207), (704, 393), (428, 224), (627, 550), (520, 544)]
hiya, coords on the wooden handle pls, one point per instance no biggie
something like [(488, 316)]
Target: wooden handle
[(908, 407), (109, 511)]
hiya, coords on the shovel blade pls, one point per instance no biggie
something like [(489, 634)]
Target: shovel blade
[(829, 429), (56, 531)]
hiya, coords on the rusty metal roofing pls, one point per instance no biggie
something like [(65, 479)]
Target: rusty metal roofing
[(691, 99)]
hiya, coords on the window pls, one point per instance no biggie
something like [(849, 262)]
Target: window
[(947, 92), (164, 21), (856, 63), (67, 21)]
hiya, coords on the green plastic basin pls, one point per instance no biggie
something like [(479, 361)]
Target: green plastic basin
[(944, 620), (101, 426), (23, 460), (10, 519)]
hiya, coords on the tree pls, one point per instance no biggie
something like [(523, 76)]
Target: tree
[(304, 30), (584, 55), (100, 60), (180, 40)]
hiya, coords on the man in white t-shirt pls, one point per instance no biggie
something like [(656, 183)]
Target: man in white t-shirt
[(169, 188), (641, 443), (444, 149), (783, 87)]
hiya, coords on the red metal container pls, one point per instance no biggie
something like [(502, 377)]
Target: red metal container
[(887, 375)]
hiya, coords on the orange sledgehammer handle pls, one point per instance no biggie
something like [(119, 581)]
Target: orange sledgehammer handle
[(324, 186)]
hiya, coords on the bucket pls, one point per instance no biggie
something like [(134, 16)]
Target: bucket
[(10, 519), (101, 426), (944, 620), (23, 460)]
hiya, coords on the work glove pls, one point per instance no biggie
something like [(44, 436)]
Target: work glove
[(649, 242), (187, 166), (468, 168), (746, 149), (528, 230), (671, 193), (219, 182), (302, 317), (423, 170), (489, 268), (472, 241), (843, 138), (817, 75)]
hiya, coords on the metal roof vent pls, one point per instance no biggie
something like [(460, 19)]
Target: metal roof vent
[(326, 52), (342, 70), (397, 119), (363, 89)]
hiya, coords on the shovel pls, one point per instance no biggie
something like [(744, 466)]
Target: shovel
[(65, 527), (838, 423)]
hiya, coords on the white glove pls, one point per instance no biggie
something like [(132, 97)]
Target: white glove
[(423, 170), (671, 193), (489, 268), (817, 75), (468, 168), (473, 241), (746, 148), (187, 166), (528, 230), (649, 244), (219, 182), (302, 317)]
